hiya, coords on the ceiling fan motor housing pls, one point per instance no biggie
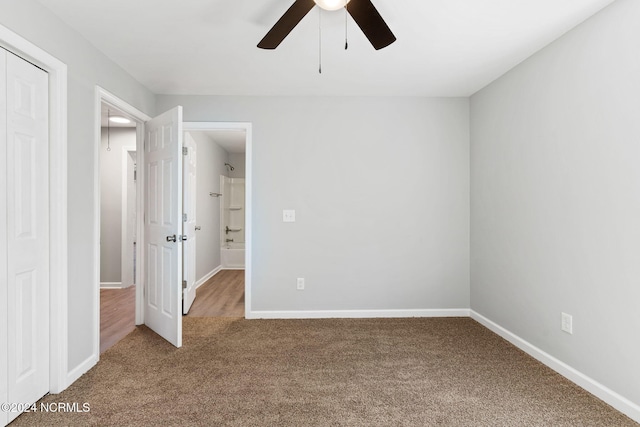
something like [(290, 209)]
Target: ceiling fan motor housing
[(331, 4)]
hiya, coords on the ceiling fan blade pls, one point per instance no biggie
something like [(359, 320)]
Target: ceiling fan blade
[(371, 23), (286, 24)]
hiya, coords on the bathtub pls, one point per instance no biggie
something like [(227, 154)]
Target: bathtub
[(232, 256)]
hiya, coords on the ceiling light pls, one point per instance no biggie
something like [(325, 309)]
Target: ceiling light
[(119, 119), (331, 4)]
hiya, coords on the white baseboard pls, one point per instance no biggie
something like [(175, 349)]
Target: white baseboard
[(208, 276), (80, 370), (110, 285), (604, 393), (357, 314)]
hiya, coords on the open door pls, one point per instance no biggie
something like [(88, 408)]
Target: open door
[(163, 225), (189, 225)]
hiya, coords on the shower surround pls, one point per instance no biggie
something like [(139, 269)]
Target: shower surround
[(232, 244)]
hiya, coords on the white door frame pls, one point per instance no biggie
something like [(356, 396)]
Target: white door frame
[(247, 127), (126, 261), (102, 95), (59, 378)]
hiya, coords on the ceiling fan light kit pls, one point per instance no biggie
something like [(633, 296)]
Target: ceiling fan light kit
[(331, 4), (363, 13)]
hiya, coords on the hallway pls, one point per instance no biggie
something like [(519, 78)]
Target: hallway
[(220, 296)]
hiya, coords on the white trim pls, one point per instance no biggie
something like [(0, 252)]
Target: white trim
[(4, 289), (111, 285), (247, 127), (82, 368), (208, 276), (358, 314), (140, 183), (621, 403), (102, 95), (58, 246), (126, 263)]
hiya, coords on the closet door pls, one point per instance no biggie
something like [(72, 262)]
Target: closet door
[(27, 214), (3, 233)]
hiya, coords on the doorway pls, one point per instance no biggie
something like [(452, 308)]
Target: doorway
[(148, 128), (234, 142), (117, 275), (222, 217), (118, 224)]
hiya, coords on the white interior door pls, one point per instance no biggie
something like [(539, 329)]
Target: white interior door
[(189, 226), (25, 158), (163, 225), (3, 236)]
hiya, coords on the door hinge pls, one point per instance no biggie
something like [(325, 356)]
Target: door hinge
[(184, 217), (184, 284), (185, 150)]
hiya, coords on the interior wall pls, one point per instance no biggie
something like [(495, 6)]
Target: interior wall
[(87, 67), (555, 200), (111, 176), (211, 160), (237, 160), (381, 192)]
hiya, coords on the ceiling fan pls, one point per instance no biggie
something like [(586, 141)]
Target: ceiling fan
[(362, 11)]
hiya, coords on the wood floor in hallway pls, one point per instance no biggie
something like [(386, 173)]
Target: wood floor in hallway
[(117, 315), (220, 296)]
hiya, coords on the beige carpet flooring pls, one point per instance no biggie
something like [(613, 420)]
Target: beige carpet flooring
[(357, 372)]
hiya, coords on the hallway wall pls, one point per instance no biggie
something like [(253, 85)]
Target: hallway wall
[(111, 176)]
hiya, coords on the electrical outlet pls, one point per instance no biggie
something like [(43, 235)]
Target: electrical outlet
[(300, 284), (567, 323)]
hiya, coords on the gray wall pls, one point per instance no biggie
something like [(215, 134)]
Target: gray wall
[(210, 165), (381, 190), (556, 201), (111, 175), (238, 161), (87, 67)]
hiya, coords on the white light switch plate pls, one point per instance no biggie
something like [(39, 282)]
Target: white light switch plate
[(288, 215)]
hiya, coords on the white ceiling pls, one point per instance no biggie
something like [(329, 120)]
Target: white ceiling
[(208, 47), (233, 141), (109, 111)]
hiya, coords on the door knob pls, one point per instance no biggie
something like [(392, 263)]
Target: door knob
[(198, 228), (183, 237), (171, 238)]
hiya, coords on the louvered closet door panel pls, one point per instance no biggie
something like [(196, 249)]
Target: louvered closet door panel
[(27, 222), (3, 232)]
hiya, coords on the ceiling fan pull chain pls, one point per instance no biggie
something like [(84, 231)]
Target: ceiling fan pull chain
[(346, 27), (320, 40)]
